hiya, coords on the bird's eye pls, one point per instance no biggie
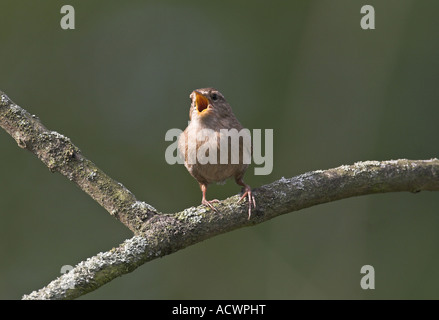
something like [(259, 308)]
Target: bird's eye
[(214, 96)]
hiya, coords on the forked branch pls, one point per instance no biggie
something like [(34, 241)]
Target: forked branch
[(158, 234)]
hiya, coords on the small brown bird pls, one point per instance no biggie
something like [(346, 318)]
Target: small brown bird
[(211, 117)]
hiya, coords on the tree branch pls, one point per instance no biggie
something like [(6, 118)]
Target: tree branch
[(158, 234)]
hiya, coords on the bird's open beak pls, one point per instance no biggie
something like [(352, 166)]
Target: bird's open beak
[(201, 102)]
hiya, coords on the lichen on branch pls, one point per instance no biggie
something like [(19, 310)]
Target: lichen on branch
[(158, 234)]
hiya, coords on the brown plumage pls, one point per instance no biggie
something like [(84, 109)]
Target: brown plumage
[(209, 113)]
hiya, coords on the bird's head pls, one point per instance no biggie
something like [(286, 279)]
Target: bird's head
[(208, 104)]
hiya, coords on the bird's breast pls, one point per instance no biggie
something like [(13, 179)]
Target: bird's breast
[(213, 155)]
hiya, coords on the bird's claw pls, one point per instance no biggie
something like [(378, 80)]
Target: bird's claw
[(209, 203), (251, 201)]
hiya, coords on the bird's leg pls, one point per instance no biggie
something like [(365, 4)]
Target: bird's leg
[(247, 194), (204, 201)]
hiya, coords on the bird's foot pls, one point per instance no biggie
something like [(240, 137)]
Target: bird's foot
[(251, 200), (209, 203)]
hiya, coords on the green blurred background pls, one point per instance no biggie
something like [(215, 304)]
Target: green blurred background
[(333, 93)]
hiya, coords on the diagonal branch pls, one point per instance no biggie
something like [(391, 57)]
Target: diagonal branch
[(158, 234), (59, 154)]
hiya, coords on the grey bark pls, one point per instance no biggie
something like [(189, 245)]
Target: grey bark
[(158, 234)]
